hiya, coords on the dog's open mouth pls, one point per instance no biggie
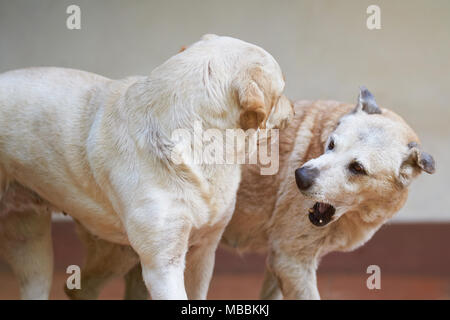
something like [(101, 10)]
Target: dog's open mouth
[(321, 214)]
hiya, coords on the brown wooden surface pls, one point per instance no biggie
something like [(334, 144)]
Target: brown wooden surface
[(400, 248), (414, 261), (246, 286)]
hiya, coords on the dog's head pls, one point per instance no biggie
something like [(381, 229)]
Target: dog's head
[(256, 80), (368, 162), (257, 84), (262, 104)]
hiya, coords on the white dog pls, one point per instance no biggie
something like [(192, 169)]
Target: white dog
[(344, 172), (100, 150)]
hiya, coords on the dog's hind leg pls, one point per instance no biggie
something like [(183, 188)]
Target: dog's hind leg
[(25, 243), (135, 288), (104, 261)]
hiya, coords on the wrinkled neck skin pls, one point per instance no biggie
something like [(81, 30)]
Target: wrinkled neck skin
[(265, 224)]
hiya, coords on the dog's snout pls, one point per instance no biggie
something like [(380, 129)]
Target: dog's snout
[(305, 177)]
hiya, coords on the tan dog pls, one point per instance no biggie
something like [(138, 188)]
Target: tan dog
[(101, 150), (353, 166)]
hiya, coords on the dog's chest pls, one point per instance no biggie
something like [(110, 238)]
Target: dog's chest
[(222, 183)]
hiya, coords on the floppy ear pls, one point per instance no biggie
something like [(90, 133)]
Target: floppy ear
[(366, 102), (416, 162), (281, 114), (251, 100)]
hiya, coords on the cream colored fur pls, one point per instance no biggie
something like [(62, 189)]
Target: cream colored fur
[(100, 150), (271, 213)]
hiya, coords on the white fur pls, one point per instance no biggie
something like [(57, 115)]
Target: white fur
[(100, 149)]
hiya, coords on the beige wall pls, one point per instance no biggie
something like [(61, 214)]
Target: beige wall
[(324, 47)]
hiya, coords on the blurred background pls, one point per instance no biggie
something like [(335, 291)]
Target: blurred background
[(326, 51)]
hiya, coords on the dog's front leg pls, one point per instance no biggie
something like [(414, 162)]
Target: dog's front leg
[(161, 241), (270, 289), (296, 276), (200, 265), (301, 285)]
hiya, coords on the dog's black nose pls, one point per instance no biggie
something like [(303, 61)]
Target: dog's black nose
[(305, 176)]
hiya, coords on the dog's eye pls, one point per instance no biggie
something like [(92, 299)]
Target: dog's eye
[(356, 168), (331, 144)]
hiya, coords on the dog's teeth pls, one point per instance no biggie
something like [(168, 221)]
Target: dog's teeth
[(311, 210)]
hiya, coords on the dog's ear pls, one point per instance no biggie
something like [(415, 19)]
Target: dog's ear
[(366, 102), (415, 162), (251, 100), (281, 114), (422, 159)]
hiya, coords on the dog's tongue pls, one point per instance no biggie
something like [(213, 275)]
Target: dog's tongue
[(323, 207)]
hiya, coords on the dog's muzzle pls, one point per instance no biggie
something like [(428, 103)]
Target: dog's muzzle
[(321, 213)]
